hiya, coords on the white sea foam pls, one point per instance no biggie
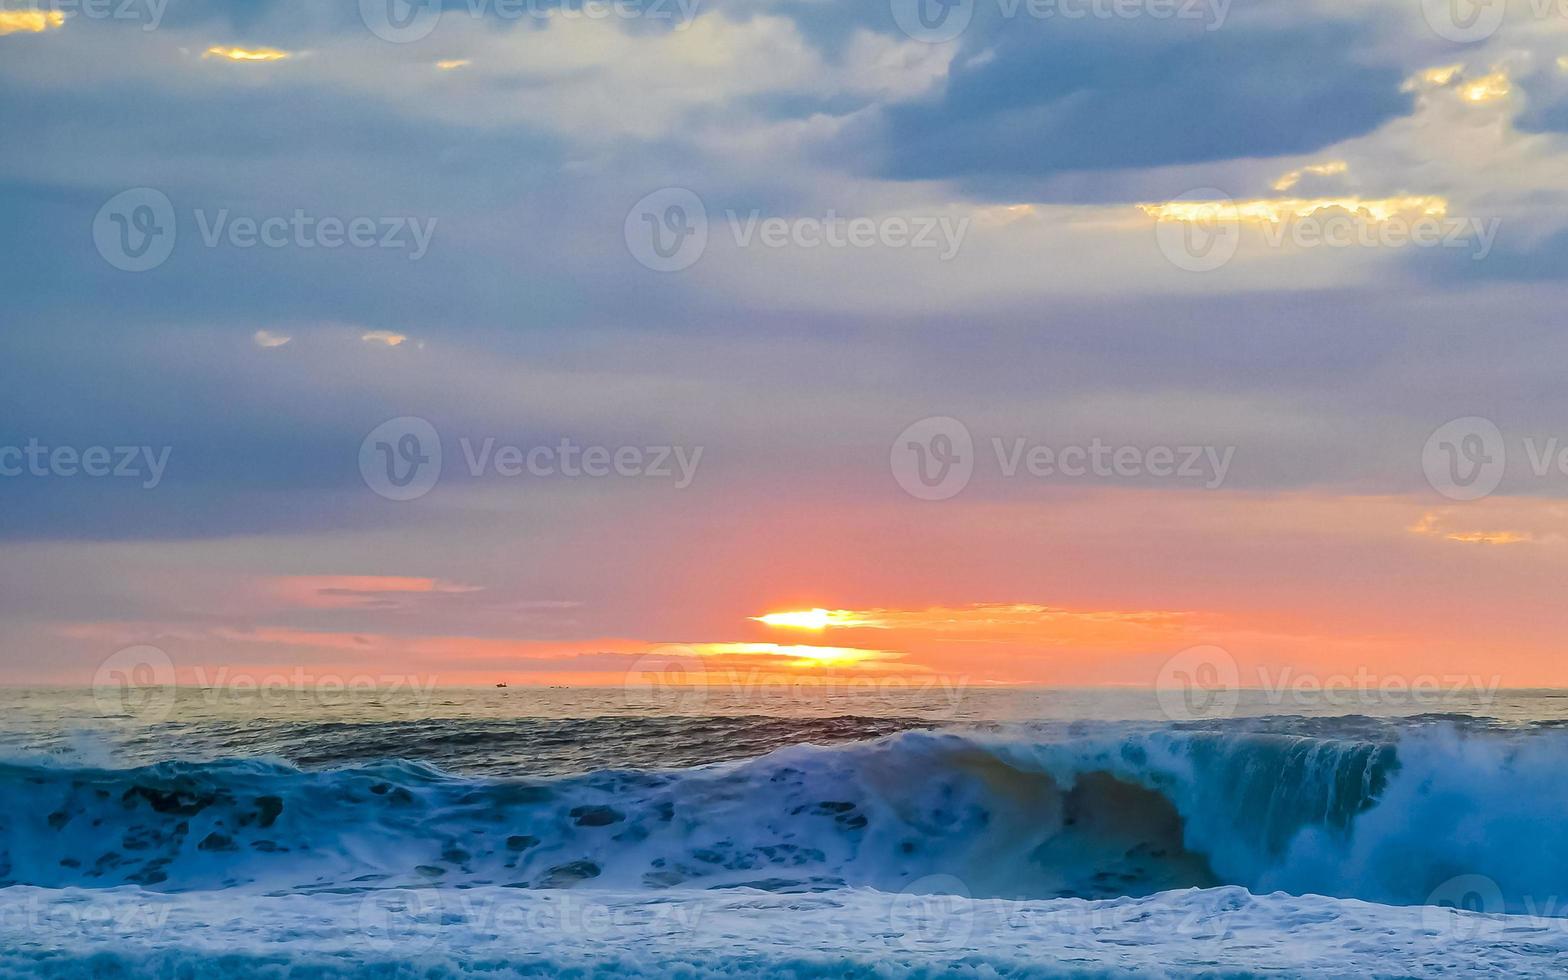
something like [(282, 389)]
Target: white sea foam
[(1010, 816), (996, 853), (500, 932)]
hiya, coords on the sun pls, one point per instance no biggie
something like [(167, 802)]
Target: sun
[(807, 619)]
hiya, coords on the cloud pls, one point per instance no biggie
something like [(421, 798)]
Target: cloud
[(1487, 88), (1081, 97), (1058, 321), (30, 21), (1522, 521), (1045, 626), (799, 655), (1327, 169), (246, 54), (361, 591), (1276, 210)]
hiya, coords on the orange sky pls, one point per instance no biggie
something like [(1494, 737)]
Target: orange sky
[(1101, 586)]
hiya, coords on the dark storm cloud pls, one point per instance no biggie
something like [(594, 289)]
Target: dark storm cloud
[(1049, 102)]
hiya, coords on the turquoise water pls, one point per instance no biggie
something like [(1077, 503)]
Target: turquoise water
[(393, 828)]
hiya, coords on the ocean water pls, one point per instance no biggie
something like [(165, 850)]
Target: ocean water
[(525, 832)]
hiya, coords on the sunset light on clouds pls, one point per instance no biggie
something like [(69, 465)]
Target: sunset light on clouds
[(783, 488), (1248, 324)]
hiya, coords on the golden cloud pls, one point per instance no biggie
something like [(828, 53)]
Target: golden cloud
[(1327, 169), (246, 54), (988, 620), (1431, 525), (30, 21), (1487, 88), (1276, 210)]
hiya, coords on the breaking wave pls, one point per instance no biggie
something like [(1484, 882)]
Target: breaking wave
[(1006, 814)]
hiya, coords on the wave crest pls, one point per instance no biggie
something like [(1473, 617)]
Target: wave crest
[(1009, 815)]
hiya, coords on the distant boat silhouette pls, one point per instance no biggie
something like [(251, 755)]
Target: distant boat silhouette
[(502, 684)]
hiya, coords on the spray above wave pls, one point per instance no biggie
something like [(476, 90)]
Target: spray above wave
[(1100, 816)]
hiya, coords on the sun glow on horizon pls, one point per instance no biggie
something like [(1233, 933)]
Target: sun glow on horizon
[(246, 54), (800, 655), (814, 619)]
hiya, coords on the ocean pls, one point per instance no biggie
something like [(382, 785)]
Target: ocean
[(797, 832)]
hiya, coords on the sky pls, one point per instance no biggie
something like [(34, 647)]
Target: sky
[(1002, 341)]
